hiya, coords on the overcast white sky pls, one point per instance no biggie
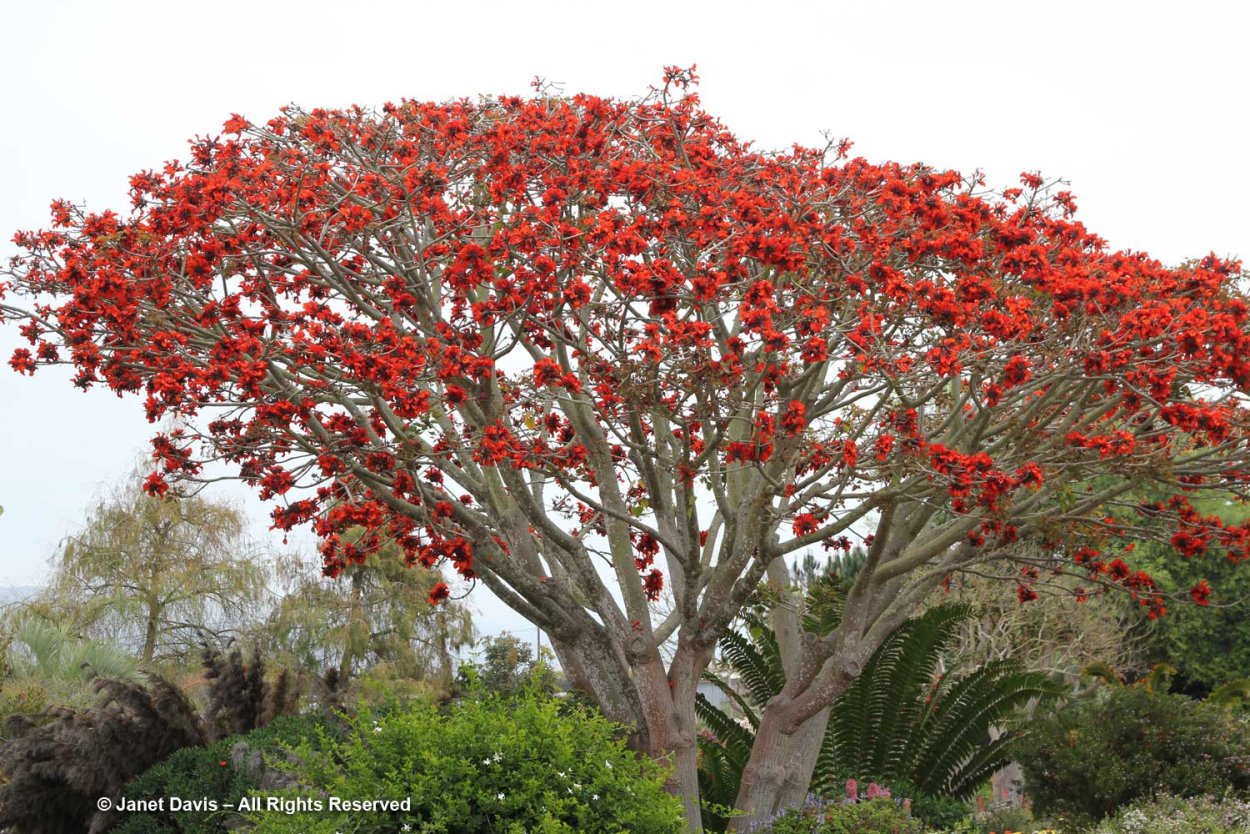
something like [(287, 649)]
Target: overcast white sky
[(1141, 106)]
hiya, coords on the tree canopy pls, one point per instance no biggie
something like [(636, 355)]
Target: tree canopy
[(602, 354)]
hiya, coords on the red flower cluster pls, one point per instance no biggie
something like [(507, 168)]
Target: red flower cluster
[(556, 306)]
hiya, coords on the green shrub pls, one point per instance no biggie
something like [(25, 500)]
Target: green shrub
[(936, 812), (223, 772), (874, 816), (1091, 758), (20, 698), (1170, 815), (480, 765), (190, 773)]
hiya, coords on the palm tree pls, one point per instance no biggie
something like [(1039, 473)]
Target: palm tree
[(49, 651)]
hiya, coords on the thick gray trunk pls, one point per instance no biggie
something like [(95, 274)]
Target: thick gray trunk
[(792, 726), (779, 772), (638, 694)]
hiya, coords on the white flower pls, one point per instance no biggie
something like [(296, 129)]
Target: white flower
[(594, 796), (377, 728), (485, 761), (608, 765), (498, 757), (499, 796), (405, 827)]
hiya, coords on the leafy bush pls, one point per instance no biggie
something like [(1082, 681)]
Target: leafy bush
[(1006, 820), (1086, 761), (224, 771), (481, 765), (936, 812), (1170, 815), (20, 698), (191, 772), (816, 816)]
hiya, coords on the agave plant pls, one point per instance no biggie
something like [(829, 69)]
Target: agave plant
[(902, 722)]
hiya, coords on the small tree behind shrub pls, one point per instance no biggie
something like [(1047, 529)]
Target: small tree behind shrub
[(507, 667), (1084, 762)]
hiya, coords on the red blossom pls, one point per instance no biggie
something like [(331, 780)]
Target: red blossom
[(439, 593), (1201, 593), (653, 584), (155, 485)]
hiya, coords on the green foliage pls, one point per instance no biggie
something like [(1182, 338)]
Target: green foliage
[(376, 614), (900, 723), (224, 771), (20, 698), (189, 772), (47, 664), (1084, 762), (1171, 815), (1230, 694), (1207, 645), (507, 667), (43, 650), (875, 816), (936, 812), (381, 687), (1007, 819), (528, 764), (154, 574)]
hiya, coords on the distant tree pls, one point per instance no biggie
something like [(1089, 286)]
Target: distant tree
[(1061, 632), (377, 611), (507, 666), (154, 573)]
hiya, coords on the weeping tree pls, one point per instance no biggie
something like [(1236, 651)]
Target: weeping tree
[(155, 574), (906, 721), (601, 355), (378, 611)]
